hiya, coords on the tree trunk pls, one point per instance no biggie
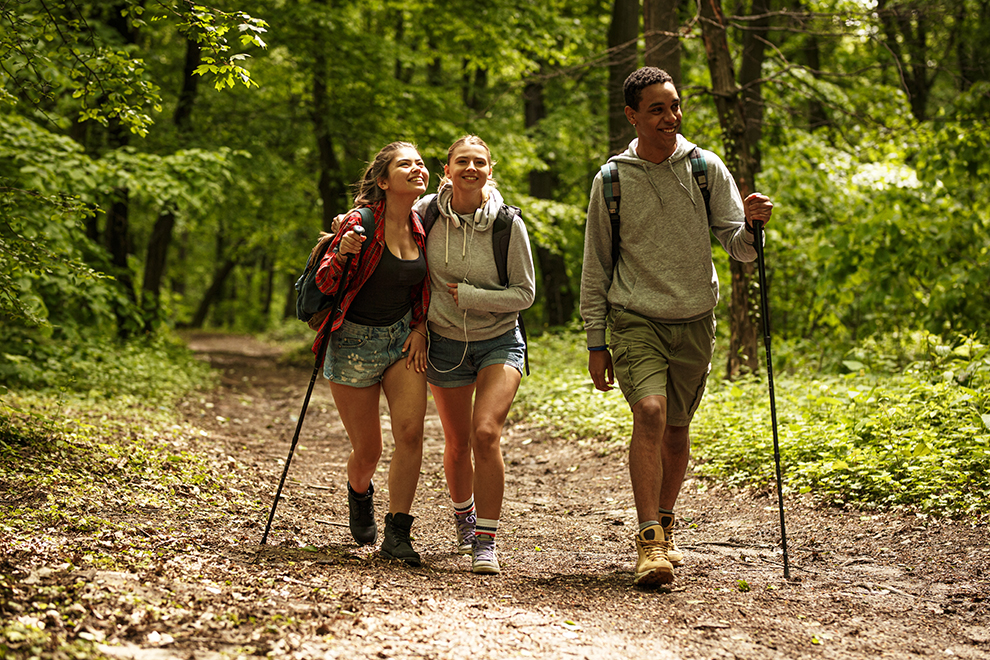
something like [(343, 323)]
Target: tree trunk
[(117, 232), (558, 295), (743, 305), (623, 34), (333, 190), (154, 265), (750, 74), (474, 87), (213, 294), (156, 257), (190, 88), (907, 24), (660, 29)]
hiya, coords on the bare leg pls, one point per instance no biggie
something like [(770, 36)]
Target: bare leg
[(454, 407), (646, 470), (405, 391), (497, 385), (358, 409), (674, 455)]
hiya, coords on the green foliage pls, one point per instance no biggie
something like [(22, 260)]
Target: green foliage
[(916, 436), (55, 50), (558, 395), (158, 368)]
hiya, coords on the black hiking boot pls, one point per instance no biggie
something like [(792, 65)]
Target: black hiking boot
[(362, 515), (396, 544)]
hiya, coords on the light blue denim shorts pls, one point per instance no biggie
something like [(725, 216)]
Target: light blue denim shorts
[(358, 355), (451, 366)]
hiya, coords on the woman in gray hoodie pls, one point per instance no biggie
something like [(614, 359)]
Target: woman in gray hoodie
[(476, 350)]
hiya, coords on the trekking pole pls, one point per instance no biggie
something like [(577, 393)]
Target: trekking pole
[(765, 313), (320, 354)]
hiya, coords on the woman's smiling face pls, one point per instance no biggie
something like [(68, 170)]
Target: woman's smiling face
[(407, 173), (469, 168)]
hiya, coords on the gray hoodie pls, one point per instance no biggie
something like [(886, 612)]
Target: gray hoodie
[(664, 270), (459, 249)]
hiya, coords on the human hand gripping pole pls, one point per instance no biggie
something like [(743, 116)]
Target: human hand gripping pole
[(320, 355), (765, 313)]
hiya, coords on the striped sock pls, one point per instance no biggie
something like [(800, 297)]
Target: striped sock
[(486, 526), (461, 508)]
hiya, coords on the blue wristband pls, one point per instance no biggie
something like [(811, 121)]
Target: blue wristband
[(597, 348)]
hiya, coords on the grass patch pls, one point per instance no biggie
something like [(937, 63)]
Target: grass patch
[(160, 368), (878, 436), (100, 477)]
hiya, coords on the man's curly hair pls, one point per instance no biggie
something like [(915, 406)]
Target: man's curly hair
[(640, 79)]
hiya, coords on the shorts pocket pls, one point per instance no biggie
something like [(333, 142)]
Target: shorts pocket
[(350, 342)]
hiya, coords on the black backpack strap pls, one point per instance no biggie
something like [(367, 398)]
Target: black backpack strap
[(610, 187), (430, 215), (699, 170), (501, 235), (368, 222)]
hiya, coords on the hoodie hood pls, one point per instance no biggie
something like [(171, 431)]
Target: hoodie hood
[(671, 164), (681, 151), (484, 217)]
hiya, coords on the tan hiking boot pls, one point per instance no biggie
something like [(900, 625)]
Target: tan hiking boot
[(652, 566), (674, 554)]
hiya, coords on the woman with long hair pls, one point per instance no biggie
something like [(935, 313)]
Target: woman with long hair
[(476, 349), (378, 342)]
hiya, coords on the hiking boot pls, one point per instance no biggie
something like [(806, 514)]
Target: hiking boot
[(652, 566), (483, 559), (674, 554), (362, 515), (465, 531), (396, 543)]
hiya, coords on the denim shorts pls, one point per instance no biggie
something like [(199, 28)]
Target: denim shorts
[(358, 355), (651, 358), (451, 366)]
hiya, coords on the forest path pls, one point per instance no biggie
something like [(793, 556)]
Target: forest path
[(865, 585)]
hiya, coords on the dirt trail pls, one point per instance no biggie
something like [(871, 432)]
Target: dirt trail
[(865, 585)]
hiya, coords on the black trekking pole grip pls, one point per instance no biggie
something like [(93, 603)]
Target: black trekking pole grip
[(765, 313), (320, 355)]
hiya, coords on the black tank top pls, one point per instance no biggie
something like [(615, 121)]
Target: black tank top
[(387, 295)]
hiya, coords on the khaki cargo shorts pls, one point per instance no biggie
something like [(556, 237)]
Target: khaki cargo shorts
[(662, 359)]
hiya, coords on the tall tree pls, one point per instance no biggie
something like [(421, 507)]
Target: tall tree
[(623, 55), (660, 32), (161, 234), (333, 190), (739, 157), (558, 292), (117, 232)]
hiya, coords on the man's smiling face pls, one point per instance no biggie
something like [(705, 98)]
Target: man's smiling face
[(658, 118)]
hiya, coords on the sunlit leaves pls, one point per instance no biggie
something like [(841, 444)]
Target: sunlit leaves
[(916, 436)]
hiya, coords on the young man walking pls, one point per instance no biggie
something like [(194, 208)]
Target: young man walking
[(658, 299)]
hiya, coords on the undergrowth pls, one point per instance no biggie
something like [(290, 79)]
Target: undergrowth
[(160, 368), (880, 435), (98, 473)]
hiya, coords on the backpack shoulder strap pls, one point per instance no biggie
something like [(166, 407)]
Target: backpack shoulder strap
[(501, 234), (699, 170), (368, 222), (610, 187), (430, 214)]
